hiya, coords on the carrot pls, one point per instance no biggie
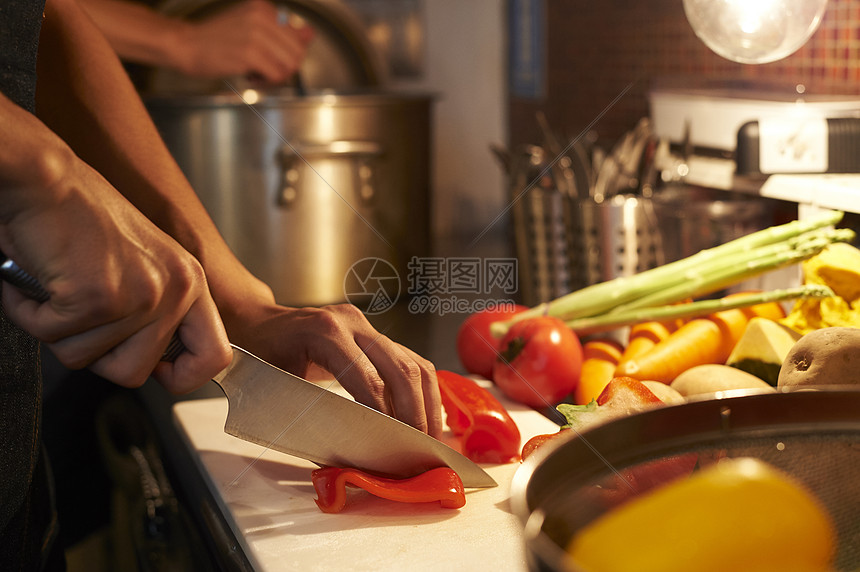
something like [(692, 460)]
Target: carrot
[(643, 337), (699, 341), (770, 310), (600, 358)]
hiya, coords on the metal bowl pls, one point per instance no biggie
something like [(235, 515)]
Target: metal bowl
[(813, 435)]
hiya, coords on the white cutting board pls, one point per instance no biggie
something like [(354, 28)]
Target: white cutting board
[(268, 500)]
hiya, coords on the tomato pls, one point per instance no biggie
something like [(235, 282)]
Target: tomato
[(540, 362), (476, 348)]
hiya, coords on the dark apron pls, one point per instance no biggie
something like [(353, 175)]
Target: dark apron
[(27, 520)]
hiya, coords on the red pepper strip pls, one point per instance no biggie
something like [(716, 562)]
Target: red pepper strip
[(441, 484), (489, 435)]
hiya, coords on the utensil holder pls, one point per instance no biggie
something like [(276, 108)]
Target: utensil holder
[(564, 243)]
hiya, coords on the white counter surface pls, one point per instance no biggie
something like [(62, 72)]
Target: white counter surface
[(268, 500)]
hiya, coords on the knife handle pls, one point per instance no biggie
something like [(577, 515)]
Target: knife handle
[(28, 285), (17, 277)]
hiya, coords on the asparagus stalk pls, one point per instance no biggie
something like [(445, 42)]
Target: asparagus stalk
[(693, 309), (731, 270), (603, 297)]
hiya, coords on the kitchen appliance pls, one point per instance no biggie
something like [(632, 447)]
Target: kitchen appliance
[(303, 186), (813, 436), (738, 127), (823, 145), (760, 147)]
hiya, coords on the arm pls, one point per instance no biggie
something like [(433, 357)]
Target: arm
[(119, 286), (245, 38), (96, 109)]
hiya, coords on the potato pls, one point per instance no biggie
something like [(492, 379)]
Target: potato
[(829, 356), (664, 392), (710, 378)]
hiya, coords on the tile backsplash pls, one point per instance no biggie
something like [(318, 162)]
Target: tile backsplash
[(602, 57)]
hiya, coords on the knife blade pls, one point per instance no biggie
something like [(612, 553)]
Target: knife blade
[(278, 410)]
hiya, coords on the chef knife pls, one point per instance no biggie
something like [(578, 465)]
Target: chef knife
[(282, 411), (278, 410)]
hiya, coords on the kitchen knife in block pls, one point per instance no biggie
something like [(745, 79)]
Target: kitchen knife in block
[(281, 411)]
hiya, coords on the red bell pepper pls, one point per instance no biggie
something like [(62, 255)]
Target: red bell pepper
[(441, 484), (538, 440), (489, 434), (621, 396)]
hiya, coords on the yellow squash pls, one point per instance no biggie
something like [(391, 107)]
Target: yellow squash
[(838, 267)]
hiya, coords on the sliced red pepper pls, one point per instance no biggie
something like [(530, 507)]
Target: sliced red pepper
[(441, 484), (489, 434)]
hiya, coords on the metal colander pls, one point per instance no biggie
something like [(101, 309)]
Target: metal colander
[(813, 436)]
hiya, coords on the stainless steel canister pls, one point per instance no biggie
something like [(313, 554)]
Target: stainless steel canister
[(566, 241), (304, 187)]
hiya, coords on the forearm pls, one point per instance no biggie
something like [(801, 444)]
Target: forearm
[(32, 161), (85, 96), (138, 33)]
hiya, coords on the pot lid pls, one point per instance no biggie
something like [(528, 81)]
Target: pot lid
[(340, 56)]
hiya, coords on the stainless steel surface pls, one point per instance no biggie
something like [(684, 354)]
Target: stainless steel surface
[(628, 167), (540, 213), (620, 236), (694, 218), (813, 436), (281, 411), (565, 241), (302, 188)]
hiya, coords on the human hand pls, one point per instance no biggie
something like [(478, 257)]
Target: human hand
[(245, 39), (375, 370), (118, 286)]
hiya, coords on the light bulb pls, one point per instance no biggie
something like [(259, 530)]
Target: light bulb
[(754, 31)]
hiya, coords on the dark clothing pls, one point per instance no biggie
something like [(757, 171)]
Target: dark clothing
[(20, 23), (28, 525), (27, 521)]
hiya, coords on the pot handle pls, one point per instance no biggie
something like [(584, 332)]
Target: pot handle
[(293, 156)]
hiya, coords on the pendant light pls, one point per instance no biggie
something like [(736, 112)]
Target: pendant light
[(754, 31)]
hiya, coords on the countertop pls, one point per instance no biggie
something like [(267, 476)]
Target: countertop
[(429, 333), (266, 500)]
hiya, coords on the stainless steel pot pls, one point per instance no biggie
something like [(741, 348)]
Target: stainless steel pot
[(303, 188)]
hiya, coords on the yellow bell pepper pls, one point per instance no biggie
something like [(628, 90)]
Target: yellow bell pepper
[(738, 514)]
